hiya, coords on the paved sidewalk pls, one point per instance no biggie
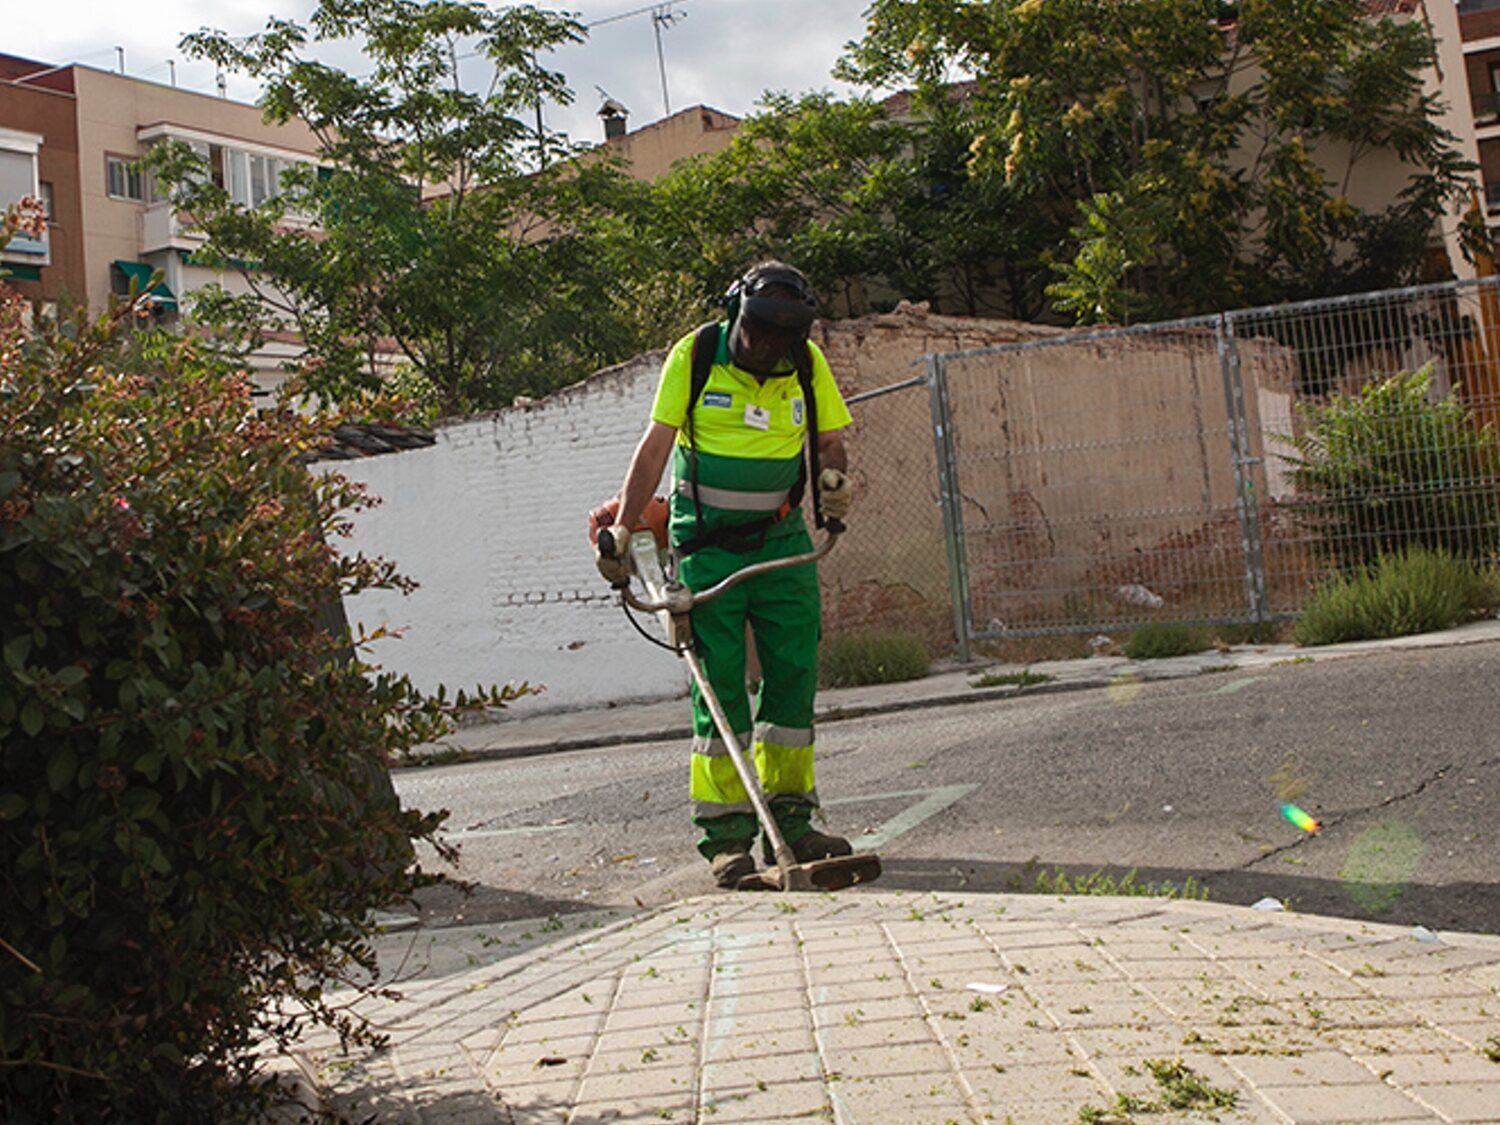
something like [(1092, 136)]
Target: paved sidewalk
[(916, 1008), (527, 729), (913, 1008)]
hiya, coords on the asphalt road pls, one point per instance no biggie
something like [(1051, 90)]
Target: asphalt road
[(1395, 752)]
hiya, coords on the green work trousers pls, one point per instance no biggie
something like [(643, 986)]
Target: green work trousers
[(783, 611)]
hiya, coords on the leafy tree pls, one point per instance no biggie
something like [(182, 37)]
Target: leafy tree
[(871, 208), (195, 814), (1206, 151), (440, 226)]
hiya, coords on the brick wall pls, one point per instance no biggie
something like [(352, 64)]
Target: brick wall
[(491, 522)]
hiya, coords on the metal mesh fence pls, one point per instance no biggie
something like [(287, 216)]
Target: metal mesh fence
[(1206, 471), (893, 574)]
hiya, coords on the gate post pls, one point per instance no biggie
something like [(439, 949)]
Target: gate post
[(1247, 506), (950, 501)]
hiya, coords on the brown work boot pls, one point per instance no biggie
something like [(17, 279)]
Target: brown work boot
[(812, 845), (732, 864)]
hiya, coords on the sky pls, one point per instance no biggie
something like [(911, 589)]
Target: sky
[(720, 53)]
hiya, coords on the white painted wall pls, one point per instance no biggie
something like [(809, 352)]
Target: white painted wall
[(492, 522)]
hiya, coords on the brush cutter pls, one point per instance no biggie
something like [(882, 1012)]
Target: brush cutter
[(673, 602)]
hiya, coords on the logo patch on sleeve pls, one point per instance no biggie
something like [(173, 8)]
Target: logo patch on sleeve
[(796, 412), (718, 398)]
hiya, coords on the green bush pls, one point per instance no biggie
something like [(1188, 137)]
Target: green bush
[(1161, 639), (871, 658), (1386, 469), (196, 819), (1415, 591)]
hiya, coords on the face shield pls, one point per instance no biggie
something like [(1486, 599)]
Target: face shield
[(786, 316)]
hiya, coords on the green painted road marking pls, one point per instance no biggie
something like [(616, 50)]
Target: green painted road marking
[(933, 802), (1237, 685)]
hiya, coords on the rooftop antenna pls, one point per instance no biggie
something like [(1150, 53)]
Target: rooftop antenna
[(120, 58), (664, 15), (172, 70)]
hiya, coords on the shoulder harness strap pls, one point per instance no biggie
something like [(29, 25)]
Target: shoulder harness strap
[(747, 536)]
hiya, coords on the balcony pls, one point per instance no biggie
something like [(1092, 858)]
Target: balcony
[(163, 227), (23, 258)]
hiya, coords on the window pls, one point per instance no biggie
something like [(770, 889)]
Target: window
[(239, 175), (1495, 77), (44, 192), (17, 175), (123, 178), (264, 173)]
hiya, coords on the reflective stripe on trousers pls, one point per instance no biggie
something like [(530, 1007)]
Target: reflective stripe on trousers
[(783, 761)]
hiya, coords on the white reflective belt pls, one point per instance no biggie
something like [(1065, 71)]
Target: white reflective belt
[(714, 747), (791, 737), (707, 810), (733, 500), (808, 799)]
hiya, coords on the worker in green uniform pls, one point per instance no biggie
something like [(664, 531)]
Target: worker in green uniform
[(738, 478)]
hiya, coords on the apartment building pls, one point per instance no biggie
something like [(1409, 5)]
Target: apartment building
[(649, 152), (1479, 24), (74, 134)]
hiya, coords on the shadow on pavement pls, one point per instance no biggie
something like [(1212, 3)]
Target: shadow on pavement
[(459, 903), (1452, 906)]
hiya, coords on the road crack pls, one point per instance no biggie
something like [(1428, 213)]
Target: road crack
[(1334, 821)]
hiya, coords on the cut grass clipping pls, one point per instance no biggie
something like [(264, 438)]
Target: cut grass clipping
[(1180, 1087), (1161, 639), (871, 658), (1413, 591)]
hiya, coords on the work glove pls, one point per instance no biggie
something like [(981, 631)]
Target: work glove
[(835, 494), (614, 567)]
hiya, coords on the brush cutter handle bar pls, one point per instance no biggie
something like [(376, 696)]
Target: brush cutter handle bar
[(684, 602)]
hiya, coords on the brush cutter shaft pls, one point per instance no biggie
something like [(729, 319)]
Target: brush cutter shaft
[(676, 600), (673, 600), (784, 857)]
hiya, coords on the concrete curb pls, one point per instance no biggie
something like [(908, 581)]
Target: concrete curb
[(937, 690)]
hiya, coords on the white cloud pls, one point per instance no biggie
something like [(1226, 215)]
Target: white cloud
[(721, 53)]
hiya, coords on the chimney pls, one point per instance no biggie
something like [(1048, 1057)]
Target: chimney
[(614, 115)]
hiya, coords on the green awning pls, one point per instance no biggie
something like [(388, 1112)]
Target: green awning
[(140, 274), (18, 272)]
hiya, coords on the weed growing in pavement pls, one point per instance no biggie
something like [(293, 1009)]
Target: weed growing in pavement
[(1158, 640), (1026, 678), (1492, 1049), (1099, 883)]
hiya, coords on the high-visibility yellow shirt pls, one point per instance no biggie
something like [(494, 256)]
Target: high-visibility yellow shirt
[(749, 436)]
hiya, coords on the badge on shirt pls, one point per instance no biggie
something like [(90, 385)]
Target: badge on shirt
[(717, 398), (796, 412), (757, 417)]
